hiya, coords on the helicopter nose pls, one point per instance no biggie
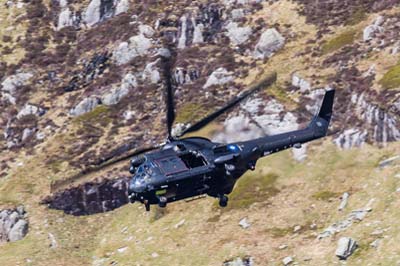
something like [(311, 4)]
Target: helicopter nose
[(136, 186)]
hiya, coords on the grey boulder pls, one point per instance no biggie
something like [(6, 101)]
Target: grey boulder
[(346, 247)]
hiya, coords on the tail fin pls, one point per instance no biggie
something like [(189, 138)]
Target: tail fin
[(325, 112)]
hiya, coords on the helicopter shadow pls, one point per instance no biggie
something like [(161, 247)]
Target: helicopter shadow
[(91, 197)]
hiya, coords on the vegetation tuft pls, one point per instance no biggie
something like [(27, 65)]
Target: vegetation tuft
[(340, 41), (391, 79), (252, 188), (326, 195)]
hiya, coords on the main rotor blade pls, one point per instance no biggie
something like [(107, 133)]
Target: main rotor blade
[(265, 82), (126, 156), (97, 167), (167, 66)]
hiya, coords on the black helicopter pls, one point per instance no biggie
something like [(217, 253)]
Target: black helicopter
[(187, 167)]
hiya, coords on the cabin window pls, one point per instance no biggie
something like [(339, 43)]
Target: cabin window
[(192, 160)]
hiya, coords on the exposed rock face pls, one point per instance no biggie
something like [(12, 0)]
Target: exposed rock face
[(237, 35), (186, 76), (379, 125), (371, 30), (270, 42), (86, 105), (100, 10), (13, 225), (116, 94), (92, 68), (92, 13), (30, 109), (346, 247), (126, 51), (66, 19), (300, 83), (218, 77), (122, 6), (151, 73)]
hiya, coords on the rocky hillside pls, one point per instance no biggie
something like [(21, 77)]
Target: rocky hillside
[(81, 79)]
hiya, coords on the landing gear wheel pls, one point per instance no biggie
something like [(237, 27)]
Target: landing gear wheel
[(162, 202), (223, 201), (147, 205)]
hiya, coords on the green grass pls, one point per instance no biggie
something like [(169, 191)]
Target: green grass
[(190, 112), (278, 92), (100, 114), (391, 79), (252, 188), (278, 232), (325, 195), (339, 41)]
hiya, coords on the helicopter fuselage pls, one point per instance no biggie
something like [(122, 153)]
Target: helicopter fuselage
[(194, 166)]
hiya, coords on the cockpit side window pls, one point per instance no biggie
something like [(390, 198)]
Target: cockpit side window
[(193, 160)]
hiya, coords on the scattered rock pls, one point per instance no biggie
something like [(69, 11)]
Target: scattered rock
[(126, 51), (151, 72), (237, 35), (300, 83), (154, 255), (237, 13), (181, 223), (245, 261), (297, 229), (270, 42), (27, 133), (92, 13), (389, 161), (30, 109), (354, 216), (300, 154), (86, 105), (371, 30), (147, 31), (282, 247), (66, 19), (116, 94), (376, 243), (287, 261), (121, 7), (21, 210), (346, 247), (244, 223), (219, 77), (53, 242), (122, 249), (343, 203)]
